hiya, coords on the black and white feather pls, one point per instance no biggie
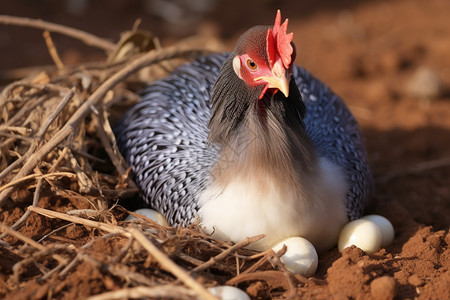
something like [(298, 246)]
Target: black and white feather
[(164, 138)]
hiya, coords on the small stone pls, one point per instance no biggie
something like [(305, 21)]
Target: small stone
[(383, 288), (425, 84), (415, 280), (435, 239)]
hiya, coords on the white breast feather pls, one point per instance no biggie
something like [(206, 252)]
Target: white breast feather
[(249, 207)]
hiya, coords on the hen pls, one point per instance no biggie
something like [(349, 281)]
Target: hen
[(248, 143)]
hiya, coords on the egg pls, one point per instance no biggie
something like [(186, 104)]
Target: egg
[(362, 233), (151, 214), (226, 292), (387, 230), (300, 257)]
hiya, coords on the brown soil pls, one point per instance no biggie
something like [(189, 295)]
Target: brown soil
[(368, 52)]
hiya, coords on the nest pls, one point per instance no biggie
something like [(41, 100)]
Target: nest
[(60, 167)]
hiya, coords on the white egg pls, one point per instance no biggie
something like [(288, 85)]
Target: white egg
[(151, 214), (226, 292), (300, 257), (387, 230), (362, 233)]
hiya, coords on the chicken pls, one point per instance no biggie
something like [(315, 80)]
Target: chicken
[(248, 143)]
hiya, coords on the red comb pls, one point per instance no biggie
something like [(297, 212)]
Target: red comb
[(279, 43)]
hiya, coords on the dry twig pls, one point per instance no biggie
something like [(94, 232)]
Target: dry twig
[(52, 50), (213, 260), (157, 292), (85, 37), (99, 225), (275, 278), (33, 176), (170, 266)]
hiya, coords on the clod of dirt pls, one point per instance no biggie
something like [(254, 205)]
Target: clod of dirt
[(415, 280), (346, 276), (383, 288)]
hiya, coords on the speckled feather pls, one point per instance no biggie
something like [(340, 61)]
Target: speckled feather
[(164, 138)]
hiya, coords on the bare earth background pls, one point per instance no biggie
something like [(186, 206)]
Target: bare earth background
[(370, 53)]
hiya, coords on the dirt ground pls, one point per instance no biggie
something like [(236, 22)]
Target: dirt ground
[(390, 62)]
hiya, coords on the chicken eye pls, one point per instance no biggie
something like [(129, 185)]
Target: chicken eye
[(251, 64)]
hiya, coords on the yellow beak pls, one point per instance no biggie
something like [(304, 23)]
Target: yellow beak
[(277, 82)]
